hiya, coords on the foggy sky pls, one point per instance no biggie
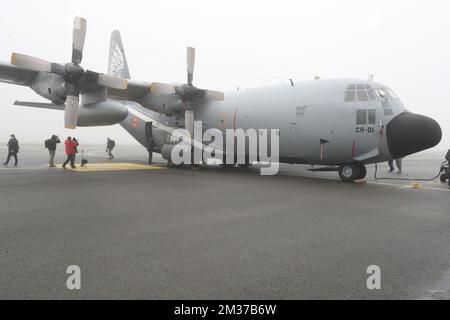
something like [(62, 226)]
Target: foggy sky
[(406, 44)]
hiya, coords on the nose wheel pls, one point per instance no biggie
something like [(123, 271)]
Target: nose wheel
[(352, 171)]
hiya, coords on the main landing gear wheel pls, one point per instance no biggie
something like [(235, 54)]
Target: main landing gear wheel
[(362, 172), (443, 178), (352, 172)]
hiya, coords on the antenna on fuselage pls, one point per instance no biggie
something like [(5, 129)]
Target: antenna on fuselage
[(371, 76), (292, 82)]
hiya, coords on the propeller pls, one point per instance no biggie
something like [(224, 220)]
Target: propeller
[(74, 75), (188, 92)]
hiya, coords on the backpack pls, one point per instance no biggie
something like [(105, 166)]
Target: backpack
[(47, 143)]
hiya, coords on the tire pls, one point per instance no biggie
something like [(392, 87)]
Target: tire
[(443, 178), (362, 172), (170, 164), (349, 172)]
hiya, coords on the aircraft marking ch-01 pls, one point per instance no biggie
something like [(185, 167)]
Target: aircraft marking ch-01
[(340, 123)]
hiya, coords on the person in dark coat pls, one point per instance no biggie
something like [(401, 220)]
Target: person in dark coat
[(110, 144), (51, 145), (76, 143), (13, 150)]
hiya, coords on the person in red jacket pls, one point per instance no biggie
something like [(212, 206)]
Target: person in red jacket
[(70, 152)]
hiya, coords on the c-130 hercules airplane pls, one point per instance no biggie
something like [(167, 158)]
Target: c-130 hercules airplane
[(340, 124)]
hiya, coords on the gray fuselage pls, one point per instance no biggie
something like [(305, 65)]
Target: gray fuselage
[(352, 123)]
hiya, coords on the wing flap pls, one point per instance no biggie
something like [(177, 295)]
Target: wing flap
[(40, 105)]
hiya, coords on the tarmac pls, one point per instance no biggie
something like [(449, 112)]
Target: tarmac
[(157, 232)]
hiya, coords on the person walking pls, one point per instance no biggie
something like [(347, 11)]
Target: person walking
[(110, 145), (51, 144), (398, 163), (447, 157), (70, 152), (13, 150), (391, 166), (75, 141)]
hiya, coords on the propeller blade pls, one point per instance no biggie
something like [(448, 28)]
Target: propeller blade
[(79, 37), (189, 121), (214, 95), (160, 89), (30, 63), (112, 82), (190, 64), (71, 112)]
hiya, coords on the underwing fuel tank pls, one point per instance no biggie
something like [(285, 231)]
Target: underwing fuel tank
[(105, 113)]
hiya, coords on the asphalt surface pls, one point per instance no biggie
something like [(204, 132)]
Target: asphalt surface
[(214, 233)]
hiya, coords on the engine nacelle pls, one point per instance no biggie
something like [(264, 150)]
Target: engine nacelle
[(167, 104), (50, 86), (105, 113)]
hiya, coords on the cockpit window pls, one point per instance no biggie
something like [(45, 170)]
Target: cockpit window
[(391, 93), (381, 93), (350, 96), (372, 94), (359, 92), (365, 92), (386, 93), (362, 96)]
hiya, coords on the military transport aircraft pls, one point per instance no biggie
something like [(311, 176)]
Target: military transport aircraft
[(339, 125)]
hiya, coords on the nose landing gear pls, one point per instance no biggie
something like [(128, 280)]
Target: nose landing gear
[(352, 171)]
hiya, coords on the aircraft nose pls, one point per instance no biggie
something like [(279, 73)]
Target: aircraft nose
[(409, 133)]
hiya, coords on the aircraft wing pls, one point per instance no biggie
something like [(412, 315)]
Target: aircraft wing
[(135, 90), (14, 75)]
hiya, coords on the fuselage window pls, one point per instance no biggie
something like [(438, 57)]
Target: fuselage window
[(388, 112), (372, 116), (361, 116)]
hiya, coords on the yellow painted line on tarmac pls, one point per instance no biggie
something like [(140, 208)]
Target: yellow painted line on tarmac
[(95, 167), (404, 187)]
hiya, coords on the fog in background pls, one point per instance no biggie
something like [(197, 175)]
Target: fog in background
[(405, 44)]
